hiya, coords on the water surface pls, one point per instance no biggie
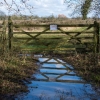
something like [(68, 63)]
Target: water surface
[(56, 80)]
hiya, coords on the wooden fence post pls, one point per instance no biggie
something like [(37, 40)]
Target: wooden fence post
[(3, 36), (10, 32), (97, 40)]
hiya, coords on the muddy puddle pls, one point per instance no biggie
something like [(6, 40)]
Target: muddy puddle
[(57, 80)]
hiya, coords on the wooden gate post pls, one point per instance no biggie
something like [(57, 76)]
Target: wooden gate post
[(97, 40), (10, 32)]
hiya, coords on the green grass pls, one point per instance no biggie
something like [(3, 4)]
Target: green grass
[(44, 42)]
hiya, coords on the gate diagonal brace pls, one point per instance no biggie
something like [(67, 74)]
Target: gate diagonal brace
[(78, 40), (64, 32), (71, 37), (34, 37), (77, 33), (27, 34)]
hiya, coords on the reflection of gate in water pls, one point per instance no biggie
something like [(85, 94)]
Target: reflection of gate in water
[(53, 69)]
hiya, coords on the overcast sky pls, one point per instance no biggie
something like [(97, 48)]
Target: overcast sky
[(56, 7), (49, 7), (41, 7)]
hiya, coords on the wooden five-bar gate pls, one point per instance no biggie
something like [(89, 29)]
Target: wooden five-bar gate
[(87, 38)]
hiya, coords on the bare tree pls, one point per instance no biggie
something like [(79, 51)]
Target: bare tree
[(17, 6), (84, 7), (96, 8)]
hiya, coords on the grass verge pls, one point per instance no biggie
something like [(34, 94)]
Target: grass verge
[(14, 69)]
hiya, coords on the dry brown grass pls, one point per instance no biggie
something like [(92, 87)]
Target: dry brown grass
[(14, 70), (55, 21)]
